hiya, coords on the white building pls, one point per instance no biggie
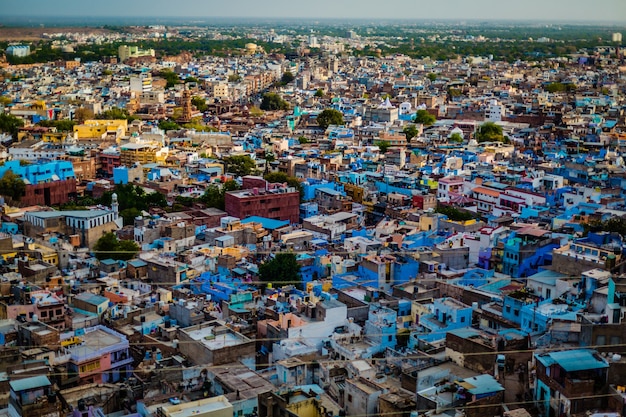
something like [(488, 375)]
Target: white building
[(18, 51), (495, 111)]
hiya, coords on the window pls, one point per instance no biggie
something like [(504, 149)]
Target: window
[(462, 319), (516, 312), (389, 338), (349, 398), (508, 309), (88, 367)]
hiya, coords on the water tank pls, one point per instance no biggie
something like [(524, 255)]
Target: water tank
[(616, 357), (474, 306), (35, 318), (414, 414), (175, 343)]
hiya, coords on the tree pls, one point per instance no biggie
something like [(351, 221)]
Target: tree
[(425, 118), (168, 125), (319, 93), (383, 145), (200, 103), (109, 247), (410, 131), (272, 101), (233, 78), (489, 132), (431, 76), (116, 114), (282, 269), (287, 78), (10, 124), (303, 140), (5, 100), (60, 125), (240, 165), (171, 78), (213, 197), (330, 117), (81, 114), (455, 138), (12, 186)]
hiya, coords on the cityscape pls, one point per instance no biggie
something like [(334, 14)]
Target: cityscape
[(283, 212)]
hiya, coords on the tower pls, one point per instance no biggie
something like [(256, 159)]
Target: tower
[(114, 205), (186, 103)]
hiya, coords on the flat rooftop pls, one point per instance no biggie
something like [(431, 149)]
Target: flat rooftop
[(215, 342)]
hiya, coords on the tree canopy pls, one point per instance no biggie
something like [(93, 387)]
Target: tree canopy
[(171, 78), (455, 138), (240, 165), (424, 118), (12, 186), (489, 132), (109, 247), (383, 145), (60, 125), (287, 78), (168, 125), (200, 103), (282, 269), (214, 195), (272, 101), (116, 114), (132, 199), (330, 117), (10, 124), (410, 131)]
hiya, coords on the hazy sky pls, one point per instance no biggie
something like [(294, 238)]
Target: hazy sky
[(584, 10)]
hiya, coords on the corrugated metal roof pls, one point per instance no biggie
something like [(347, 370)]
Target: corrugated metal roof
[(29, 383)]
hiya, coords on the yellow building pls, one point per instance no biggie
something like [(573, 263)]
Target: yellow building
[(137, 152), (101, 129), (125, 52), (209, 407)]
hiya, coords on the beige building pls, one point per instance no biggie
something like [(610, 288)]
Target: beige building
[(209, 407)]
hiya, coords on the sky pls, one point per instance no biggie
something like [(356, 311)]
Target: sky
[(546, 10)]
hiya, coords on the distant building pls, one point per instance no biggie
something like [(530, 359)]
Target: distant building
[(125, 52), (18, 51), (33, 396)]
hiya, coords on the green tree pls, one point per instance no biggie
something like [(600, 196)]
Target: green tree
[(213, 196), (240, 165), (287, 78), (171, 78), (200, 103), (5, 100), (303, 140), (330, 117), (431, 76), (115, 114), (282, 269), (455, 138), (10, 124), (60, 125), (168, 125), (410, 131), (12, 186), (233, 78), (272, 101), (383, 145), (191, 80), (489, 132), (454, 214), (109, 247), (319, 93), (129, 215), (424, 117)]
